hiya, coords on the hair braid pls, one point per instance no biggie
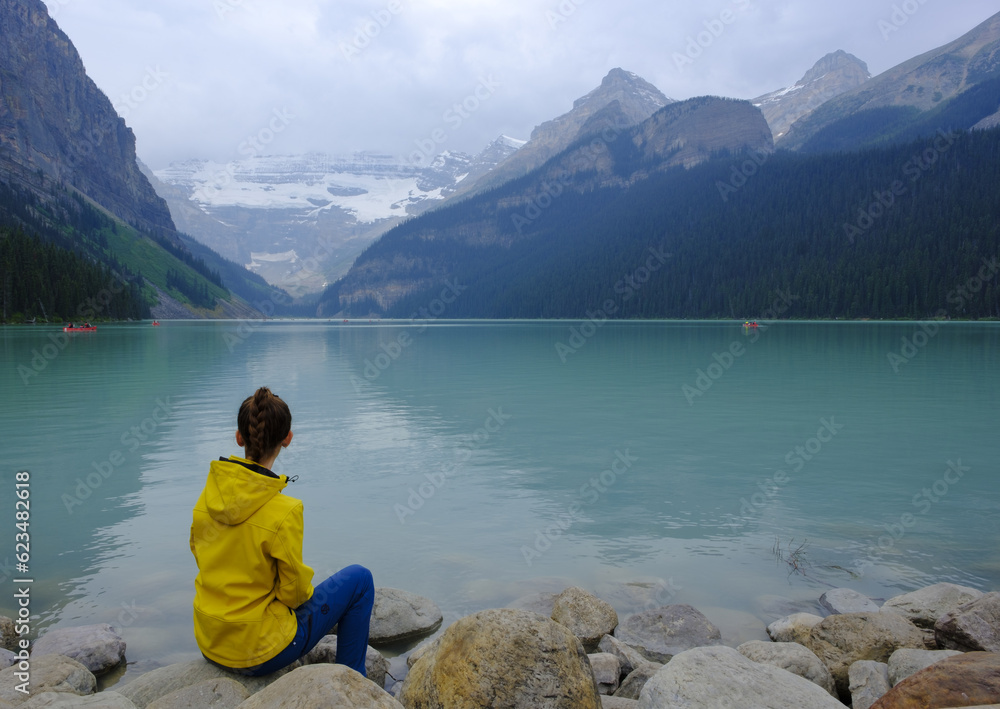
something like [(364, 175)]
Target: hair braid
[(264, 421)]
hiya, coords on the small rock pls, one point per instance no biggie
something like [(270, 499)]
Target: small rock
[(421, 650), (62, 700), (400, 615), (721, 677), (846, 600), (966, 680), (503, 658), (661, 633), (869, 681), (794, 628), (607, 671), (628, 657), (322, 686), (795, 658), (97, 647), (7, 658), (219, 693), (632, 685), (376, 666), (905, 662), (924, 606), (49, 673), (841, 640), (973, 626), (587, 616), (8, 634)]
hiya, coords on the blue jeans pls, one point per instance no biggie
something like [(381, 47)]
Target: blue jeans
[(347, 598)]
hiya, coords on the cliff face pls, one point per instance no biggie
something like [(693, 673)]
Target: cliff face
[(830, 77), (56, 123)]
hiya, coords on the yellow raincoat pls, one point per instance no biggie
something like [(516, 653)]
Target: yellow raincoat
[(247, 540)]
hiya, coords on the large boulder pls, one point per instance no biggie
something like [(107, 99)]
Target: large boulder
[(504, 659), (49, 673), (149, 687), (376, 666), (794, 628), (841, 640), (906, 662), (967, 680), (721, 677), (62, 700), (587, 616), (869, 682), (219, 693), (924, 606), (97, 647), (847, 600), (322, 687), (973, 626), (795, 658), (401, 615), (661, 633)]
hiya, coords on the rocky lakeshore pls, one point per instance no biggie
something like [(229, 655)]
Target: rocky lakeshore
[(934, 648)]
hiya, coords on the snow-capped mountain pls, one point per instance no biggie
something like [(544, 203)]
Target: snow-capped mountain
[(301, 220)]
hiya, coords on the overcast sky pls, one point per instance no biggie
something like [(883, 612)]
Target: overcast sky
[(199, 78)]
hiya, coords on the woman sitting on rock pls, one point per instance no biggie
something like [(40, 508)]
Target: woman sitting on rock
[(255, 609)]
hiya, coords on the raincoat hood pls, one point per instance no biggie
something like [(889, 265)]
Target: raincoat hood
[(237, 488)]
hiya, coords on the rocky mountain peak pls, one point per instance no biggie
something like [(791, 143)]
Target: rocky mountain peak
[(636, 95)]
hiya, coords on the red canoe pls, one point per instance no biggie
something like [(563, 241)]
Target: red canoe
[(80, 329)]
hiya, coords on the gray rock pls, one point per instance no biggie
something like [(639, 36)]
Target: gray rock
[(8, 636), (628, 657), (618, 703), (906, 662), (973, 626), (868, 682), (62, 700), (7, 658), (661, 633), (97, 647), (795, 658), (49, 673), (846, 600), (400, 615), (147, 688), (587, 616), (607, 671), (721, 677), (632, 685), (421, 650), (503, 658), (376, 666), (540, 603), (841, 640), (324, 685), (924, 606), (218, 693), (794, 628)]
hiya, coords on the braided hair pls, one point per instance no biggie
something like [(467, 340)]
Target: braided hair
[(264, 420)]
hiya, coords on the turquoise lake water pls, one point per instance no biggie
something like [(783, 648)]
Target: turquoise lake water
[(468, 462)]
